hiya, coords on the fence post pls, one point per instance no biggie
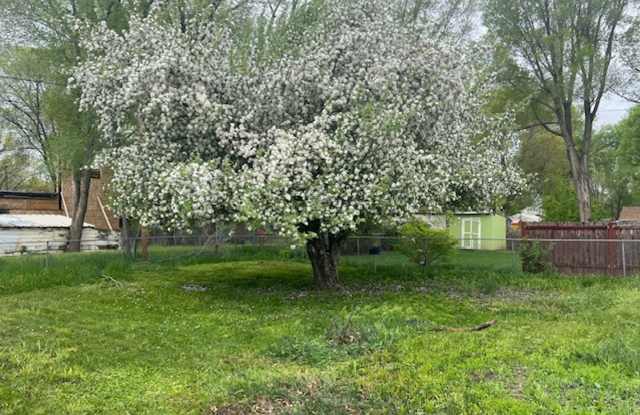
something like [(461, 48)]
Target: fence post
[(511, 243), (375, 264), (624, 261), (612, 259), (357, 246), (424, 256), (46, 254)]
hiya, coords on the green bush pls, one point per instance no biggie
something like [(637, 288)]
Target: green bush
[(536, 258), (425, 245)]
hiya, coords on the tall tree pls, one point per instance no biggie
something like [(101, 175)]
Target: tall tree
[(365, 120), (567, 46), (23, 87)]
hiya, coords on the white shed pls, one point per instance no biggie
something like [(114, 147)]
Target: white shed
[(21, 234)]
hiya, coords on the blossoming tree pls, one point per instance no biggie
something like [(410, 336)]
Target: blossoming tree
[(364, 120)]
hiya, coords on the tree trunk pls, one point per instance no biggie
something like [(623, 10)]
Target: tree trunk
[(82, 183), (581, 177), (583, 193), (144, 242), (126, 245), (582, 182), (324, 253)]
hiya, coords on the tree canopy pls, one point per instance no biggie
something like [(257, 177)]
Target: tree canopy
[(367, 119)]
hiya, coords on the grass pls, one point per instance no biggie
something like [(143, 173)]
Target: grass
[(96, 334)]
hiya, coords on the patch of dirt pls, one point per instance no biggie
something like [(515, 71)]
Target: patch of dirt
[(295, 400), (480, 376), (516, 387), (261, 406)]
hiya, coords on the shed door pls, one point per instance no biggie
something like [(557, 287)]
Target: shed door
[(471, 233)]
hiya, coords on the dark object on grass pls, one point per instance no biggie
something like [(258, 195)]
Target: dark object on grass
[(374, 250), (479, 327)]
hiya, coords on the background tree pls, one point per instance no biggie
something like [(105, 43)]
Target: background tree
[(627, 72), (17, 168), (613, 170), (567, 46), (23, 87), (541, 155)]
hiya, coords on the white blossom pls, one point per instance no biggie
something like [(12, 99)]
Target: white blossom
[(366, 121)]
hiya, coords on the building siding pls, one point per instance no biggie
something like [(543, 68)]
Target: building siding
[(94, 215), (18, 241), (493, 231), (40, 205)]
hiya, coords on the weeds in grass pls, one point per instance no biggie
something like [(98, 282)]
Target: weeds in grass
[(22, 274), (305, 395), (301, 350), (620, 351), (94, 333)]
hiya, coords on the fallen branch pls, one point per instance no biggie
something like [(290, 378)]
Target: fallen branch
[(479, 327)]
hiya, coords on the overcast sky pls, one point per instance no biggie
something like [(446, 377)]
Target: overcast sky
[(612, 110)]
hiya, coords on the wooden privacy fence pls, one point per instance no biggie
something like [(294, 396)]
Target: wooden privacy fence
[(607, 248)]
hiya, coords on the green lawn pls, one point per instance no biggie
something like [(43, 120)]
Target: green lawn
[(94, 334)]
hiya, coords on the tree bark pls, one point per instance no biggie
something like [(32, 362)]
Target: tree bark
[(144, 242), (581, 176), (324, 252), (126, 245), (583, 193), (82, 185)]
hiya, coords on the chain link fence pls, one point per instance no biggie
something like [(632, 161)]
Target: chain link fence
[(566, 256)]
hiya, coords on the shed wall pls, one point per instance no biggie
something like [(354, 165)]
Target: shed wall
[(493, 231), (38, 205)]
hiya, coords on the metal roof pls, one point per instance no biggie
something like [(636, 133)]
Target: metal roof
[(525, 217), (36, 221), (630, 213)]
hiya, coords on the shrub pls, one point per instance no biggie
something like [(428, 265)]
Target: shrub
[(536, 258), (425, 245)]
